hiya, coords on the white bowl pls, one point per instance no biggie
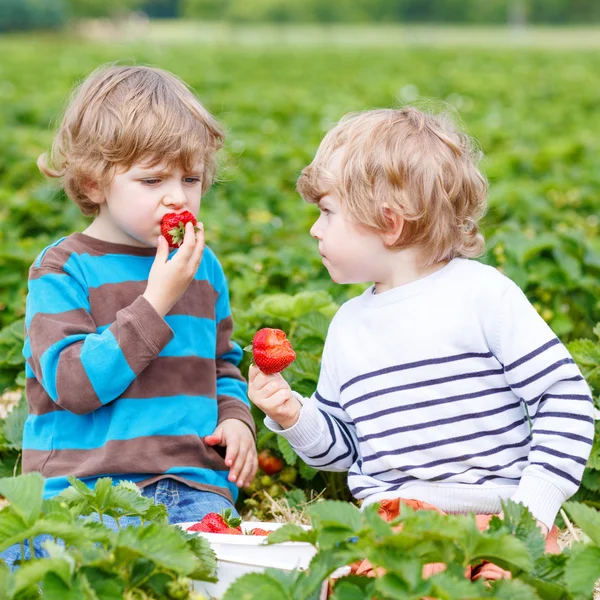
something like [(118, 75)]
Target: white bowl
[(241, 554)]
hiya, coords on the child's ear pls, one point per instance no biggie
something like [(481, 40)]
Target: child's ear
[(92, 191), (395, 223)]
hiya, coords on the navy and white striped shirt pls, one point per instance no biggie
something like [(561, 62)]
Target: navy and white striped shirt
[(451, 390)]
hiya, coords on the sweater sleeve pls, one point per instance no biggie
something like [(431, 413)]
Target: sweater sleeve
[(324, 435), (541, 372), (232, 390), (80, 367)]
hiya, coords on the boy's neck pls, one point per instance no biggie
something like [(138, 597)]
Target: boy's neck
[(403, 267)]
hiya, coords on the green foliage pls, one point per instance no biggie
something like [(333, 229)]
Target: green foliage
[(343, 535), (362, 11), (154, 560), (402, 548), (31, 14), (533, 113)]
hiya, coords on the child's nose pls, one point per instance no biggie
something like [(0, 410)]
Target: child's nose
[(315, 231), (174, 198)]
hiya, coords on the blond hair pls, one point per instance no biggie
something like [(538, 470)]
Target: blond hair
[(418, 165), (121, 115)]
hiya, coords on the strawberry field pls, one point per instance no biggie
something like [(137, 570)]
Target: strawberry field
[(535, 114)]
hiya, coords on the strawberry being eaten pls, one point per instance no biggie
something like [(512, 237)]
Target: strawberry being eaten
[(271, 350), (172, 227)]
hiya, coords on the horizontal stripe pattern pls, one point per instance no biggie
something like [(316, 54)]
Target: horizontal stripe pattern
[(464, 387), (115, 389)]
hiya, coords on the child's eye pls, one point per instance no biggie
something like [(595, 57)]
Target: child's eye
[(325, 211), (191, 180), (150, 181)]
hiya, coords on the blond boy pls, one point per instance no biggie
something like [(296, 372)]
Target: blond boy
[(440, 383), (131, 371)]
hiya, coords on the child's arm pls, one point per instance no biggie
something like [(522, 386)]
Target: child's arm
[(80, 368), (541, 372), (318, 428)]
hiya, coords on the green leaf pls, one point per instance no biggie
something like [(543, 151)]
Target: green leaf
[(206, 569), (585, 517), (305, 302), (25, 494), (291, 532), (334, 513), (12, 527), (506, 548), (445, 585), (306, 471), (314, 324), (34, 571), (352, 588), (12, 338), (161, 544), (288, 453), (257, 586), (7, 581), (506, 589), (106, 585), (12, 429), (296, 498), (583, 569), (585, 352)]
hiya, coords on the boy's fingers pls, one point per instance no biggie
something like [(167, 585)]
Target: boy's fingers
[(187, 247), (246, 475), (162, 250), (199, 247), (234, 459), (253, 371), (215, 438)]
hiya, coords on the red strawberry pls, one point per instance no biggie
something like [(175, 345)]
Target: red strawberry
[(172, 227), (259, 531), (269, 463), (272, 351), (232, 531), (217, 523)]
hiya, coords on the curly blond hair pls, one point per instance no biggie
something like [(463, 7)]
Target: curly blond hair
[(416, 164), (122, 115)]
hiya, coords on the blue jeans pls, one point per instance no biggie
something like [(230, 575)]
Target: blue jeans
[(183, 504)]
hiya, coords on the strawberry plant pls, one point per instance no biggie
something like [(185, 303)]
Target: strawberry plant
[(87, 560), (402, 548)]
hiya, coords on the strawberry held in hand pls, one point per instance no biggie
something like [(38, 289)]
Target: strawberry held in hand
[(272, 350), (172, 227)]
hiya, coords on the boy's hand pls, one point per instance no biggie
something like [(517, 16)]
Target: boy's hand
[(169, 279), (241, 450), (273, 395)]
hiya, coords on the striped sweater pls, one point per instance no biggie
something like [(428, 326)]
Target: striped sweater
[(113, 388), (451, 390)]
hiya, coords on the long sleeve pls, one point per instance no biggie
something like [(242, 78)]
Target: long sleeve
[(80, 367), (324, 435), (541, 372), (232, 390)]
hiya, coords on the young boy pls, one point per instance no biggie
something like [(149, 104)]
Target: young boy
[(440, 383), (131, 371)]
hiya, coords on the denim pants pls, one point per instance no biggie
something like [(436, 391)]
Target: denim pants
[(183, 504)]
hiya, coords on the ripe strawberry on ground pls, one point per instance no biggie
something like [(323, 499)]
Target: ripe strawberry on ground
[(217, 523), (271, 350), (269, 463), (259, 531), (172, 227)]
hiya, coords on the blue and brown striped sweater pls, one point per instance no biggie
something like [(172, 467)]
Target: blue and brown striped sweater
[(113, 388)]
